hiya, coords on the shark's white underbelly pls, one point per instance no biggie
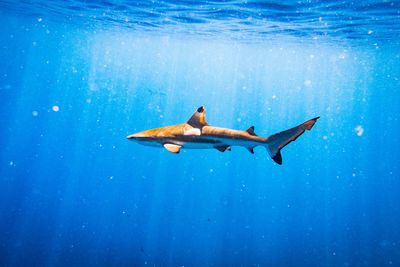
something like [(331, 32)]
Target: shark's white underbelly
[(211, 142)]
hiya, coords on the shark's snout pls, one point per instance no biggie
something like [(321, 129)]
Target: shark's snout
[(144, 138), (135, 136)]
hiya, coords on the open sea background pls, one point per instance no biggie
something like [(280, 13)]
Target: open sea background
[(77, 77)]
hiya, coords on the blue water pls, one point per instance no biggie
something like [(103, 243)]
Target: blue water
[(77, 77)]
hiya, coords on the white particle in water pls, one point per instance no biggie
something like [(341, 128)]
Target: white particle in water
[(39, 19), (307, 82), (35, 113), (56, 108), (359, 130)]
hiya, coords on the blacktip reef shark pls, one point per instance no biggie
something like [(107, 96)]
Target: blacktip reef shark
[(197, 133)]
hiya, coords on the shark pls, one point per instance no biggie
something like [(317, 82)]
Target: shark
[(196, 133)]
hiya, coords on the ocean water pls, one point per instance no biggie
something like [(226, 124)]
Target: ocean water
[(77, 77)]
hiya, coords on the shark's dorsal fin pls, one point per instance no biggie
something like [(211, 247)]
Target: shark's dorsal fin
[(172, 148), (250, 131), (198, 119)]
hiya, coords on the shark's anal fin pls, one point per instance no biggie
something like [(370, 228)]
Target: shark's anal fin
[(250, 131), (172, 148), (223, 148), (251, 150)]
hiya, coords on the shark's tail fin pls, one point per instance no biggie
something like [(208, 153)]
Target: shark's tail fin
[(276, 142)]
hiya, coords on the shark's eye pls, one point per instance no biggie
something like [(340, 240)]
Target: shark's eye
[(200, 109)]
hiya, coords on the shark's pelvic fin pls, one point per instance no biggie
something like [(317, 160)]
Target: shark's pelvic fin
[(223, 148), (172, 148), (198, 119), (276, 142), (250, 131)]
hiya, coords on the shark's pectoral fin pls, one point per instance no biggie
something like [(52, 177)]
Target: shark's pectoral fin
[(172, 148), (223, 148)]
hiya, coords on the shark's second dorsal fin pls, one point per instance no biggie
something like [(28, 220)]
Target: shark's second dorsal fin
[(198, 119), (250, 131)]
